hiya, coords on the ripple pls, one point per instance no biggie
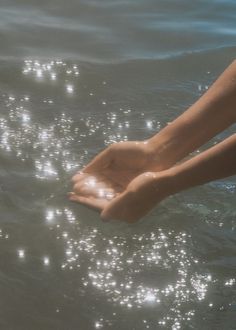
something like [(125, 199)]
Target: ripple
[(149, 269)]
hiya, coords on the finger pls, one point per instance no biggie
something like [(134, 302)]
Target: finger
[(91, 185), (83, 176), (120, 177), (94, 203), (85, 181), (101, 161), (97, 192), (122, 208), (115, 209), (79, 176)]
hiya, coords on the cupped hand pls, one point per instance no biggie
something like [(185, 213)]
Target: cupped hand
[(119, 163), (129, 205), (108, 182), (140, 196)]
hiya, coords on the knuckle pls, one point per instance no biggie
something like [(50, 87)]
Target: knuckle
[(74, 178), (110, 149), (77, 187)]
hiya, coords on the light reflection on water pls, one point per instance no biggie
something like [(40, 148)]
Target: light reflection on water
[(153, 269), (118, 267)]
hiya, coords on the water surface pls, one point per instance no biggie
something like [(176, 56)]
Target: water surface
[(77, 76)]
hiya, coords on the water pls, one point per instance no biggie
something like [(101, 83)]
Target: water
[(75, 77)]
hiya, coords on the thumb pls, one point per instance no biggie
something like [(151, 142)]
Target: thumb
[(99, 162), (115, 210)]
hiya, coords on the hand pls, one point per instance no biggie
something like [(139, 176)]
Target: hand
[(140, 196), (117, 165), (107, 176)]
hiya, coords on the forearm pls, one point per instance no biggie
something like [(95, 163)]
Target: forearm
[(211, 114), (215, 163)]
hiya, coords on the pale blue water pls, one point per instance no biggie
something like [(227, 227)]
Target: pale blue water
[(75, 77)]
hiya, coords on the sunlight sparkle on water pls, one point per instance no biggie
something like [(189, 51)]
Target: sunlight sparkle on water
[(69, 89), (149, 124), (119, 281), (98, 325), (150, 297), (45, 169), (50, 70), (50, 215), (46, 261), (136, 268), (21, 253), (230, 282)]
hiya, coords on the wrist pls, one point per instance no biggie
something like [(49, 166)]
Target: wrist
[(164, 183), (163, 152), (178, 179)]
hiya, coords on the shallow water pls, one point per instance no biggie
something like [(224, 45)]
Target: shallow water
[(75, 77)]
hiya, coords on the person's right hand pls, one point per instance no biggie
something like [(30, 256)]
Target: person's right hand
[(130, 205)]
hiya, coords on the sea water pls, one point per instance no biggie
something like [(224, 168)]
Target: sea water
[(76, 76)]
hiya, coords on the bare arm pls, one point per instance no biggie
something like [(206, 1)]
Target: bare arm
[(215, 163), (148, 189), (211, 114), (122, 171)]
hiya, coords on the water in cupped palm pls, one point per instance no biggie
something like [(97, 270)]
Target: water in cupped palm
[(75, 77)]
